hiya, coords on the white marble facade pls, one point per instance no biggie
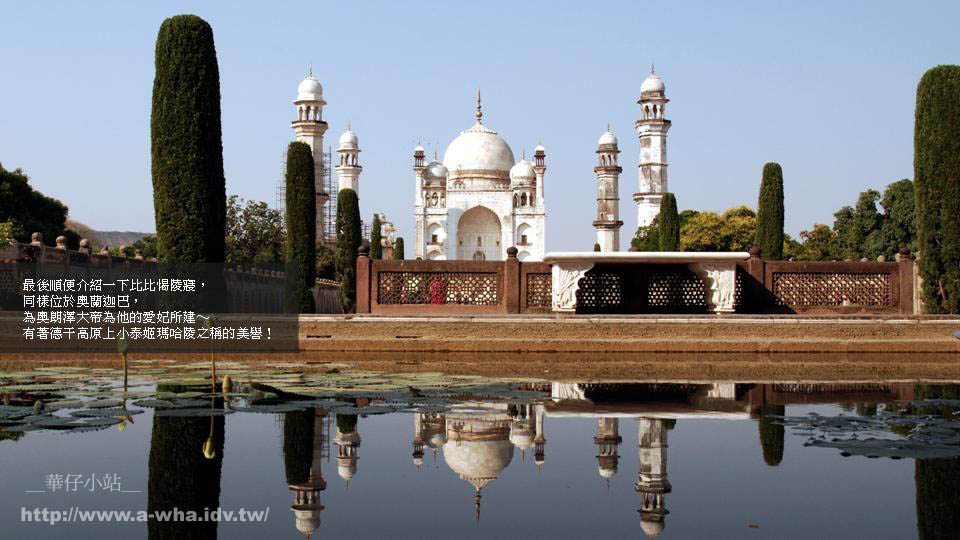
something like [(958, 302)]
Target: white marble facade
[(479, 200)]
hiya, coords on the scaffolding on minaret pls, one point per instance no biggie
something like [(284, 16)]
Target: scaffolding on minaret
[(329, 214)]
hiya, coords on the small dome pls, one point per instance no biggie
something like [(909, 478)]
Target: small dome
[(438, 440), (607, 138), (346, 471), (607, 472), (652, 84), (539, 148), (348, 141), (522, 171), (418, 461), (435, 174), (652, 529), (310, 89), (418, 149)]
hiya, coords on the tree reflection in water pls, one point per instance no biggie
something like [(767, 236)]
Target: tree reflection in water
[(181, 477)]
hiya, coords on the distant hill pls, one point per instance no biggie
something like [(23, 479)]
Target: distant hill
[(105, 238)]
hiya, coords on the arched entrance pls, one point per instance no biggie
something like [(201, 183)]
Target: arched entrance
[(478, 235)]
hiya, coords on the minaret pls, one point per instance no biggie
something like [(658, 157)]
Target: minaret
[(539, 440), (540, 167), (306, 497), (349, 169), (608, 172), (309, 128), (652, 128), (652, 483), (348, 442), (418, 441), (607, 440)]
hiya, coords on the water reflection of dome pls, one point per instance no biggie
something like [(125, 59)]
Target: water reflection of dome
[(521, 434), (478, 448), (652, 529)]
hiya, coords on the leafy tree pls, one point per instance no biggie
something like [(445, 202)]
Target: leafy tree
[(29, 211), (326, 262), (669, 225), (819, 244), (6, 233), (300, 247), (376, 240), (706, 231), (770, 213), (936, 164), (255, 232), (348, 242), (792, 249), (189, 189), (398, 249), (898, 228), (648, 238), (857, 228)]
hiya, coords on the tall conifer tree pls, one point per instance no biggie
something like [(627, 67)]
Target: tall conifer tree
[(189, 189), (770, 213), (376, 246), (300, 244), (936, 165), (348, 242), (669, 223)]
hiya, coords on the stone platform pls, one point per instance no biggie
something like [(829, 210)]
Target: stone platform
[(631, 334)]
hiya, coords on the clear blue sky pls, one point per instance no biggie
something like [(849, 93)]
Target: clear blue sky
[(825, 88)]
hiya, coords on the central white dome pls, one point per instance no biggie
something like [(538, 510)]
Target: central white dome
[(478, 148)]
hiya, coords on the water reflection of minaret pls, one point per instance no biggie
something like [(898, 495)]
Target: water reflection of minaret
[(306, 491), (539, 440), (607, 440), (429, 430), (347, 441), (652, 483), (522, 433)]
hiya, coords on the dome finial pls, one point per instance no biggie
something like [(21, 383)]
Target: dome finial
[(608, 126), (309, 70), (652, 71), (348, 126), (523, 154), (479, 112)]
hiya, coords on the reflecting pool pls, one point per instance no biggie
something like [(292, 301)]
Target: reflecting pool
[(362, 455)]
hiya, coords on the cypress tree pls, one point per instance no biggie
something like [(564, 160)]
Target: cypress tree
[(300, 244), (936, 165), (189, 189), (298, 445), (376, 247), (398, 250), (771, 434), (596, 247), (669, 223), (769, 237), (348, 241)]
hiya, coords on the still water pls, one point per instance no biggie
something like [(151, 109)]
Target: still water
[(539, 460)]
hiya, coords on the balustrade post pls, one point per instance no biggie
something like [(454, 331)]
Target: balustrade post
[(511, 281), (905, 279), (363, 279)]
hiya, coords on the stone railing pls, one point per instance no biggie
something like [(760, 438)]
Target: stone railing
[(634, 282), (249, 289)]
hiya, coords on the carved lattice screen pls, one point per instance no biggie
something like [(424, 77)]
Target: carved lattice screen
[(600, 290), (539, 290), (675, 289), (832, 289), (464, 288)]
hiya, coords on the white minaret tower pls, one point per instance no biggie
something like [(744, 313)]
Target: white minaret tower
[(652, 483), (310, 127), (652, 128), (349, 169), (608, 172)]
